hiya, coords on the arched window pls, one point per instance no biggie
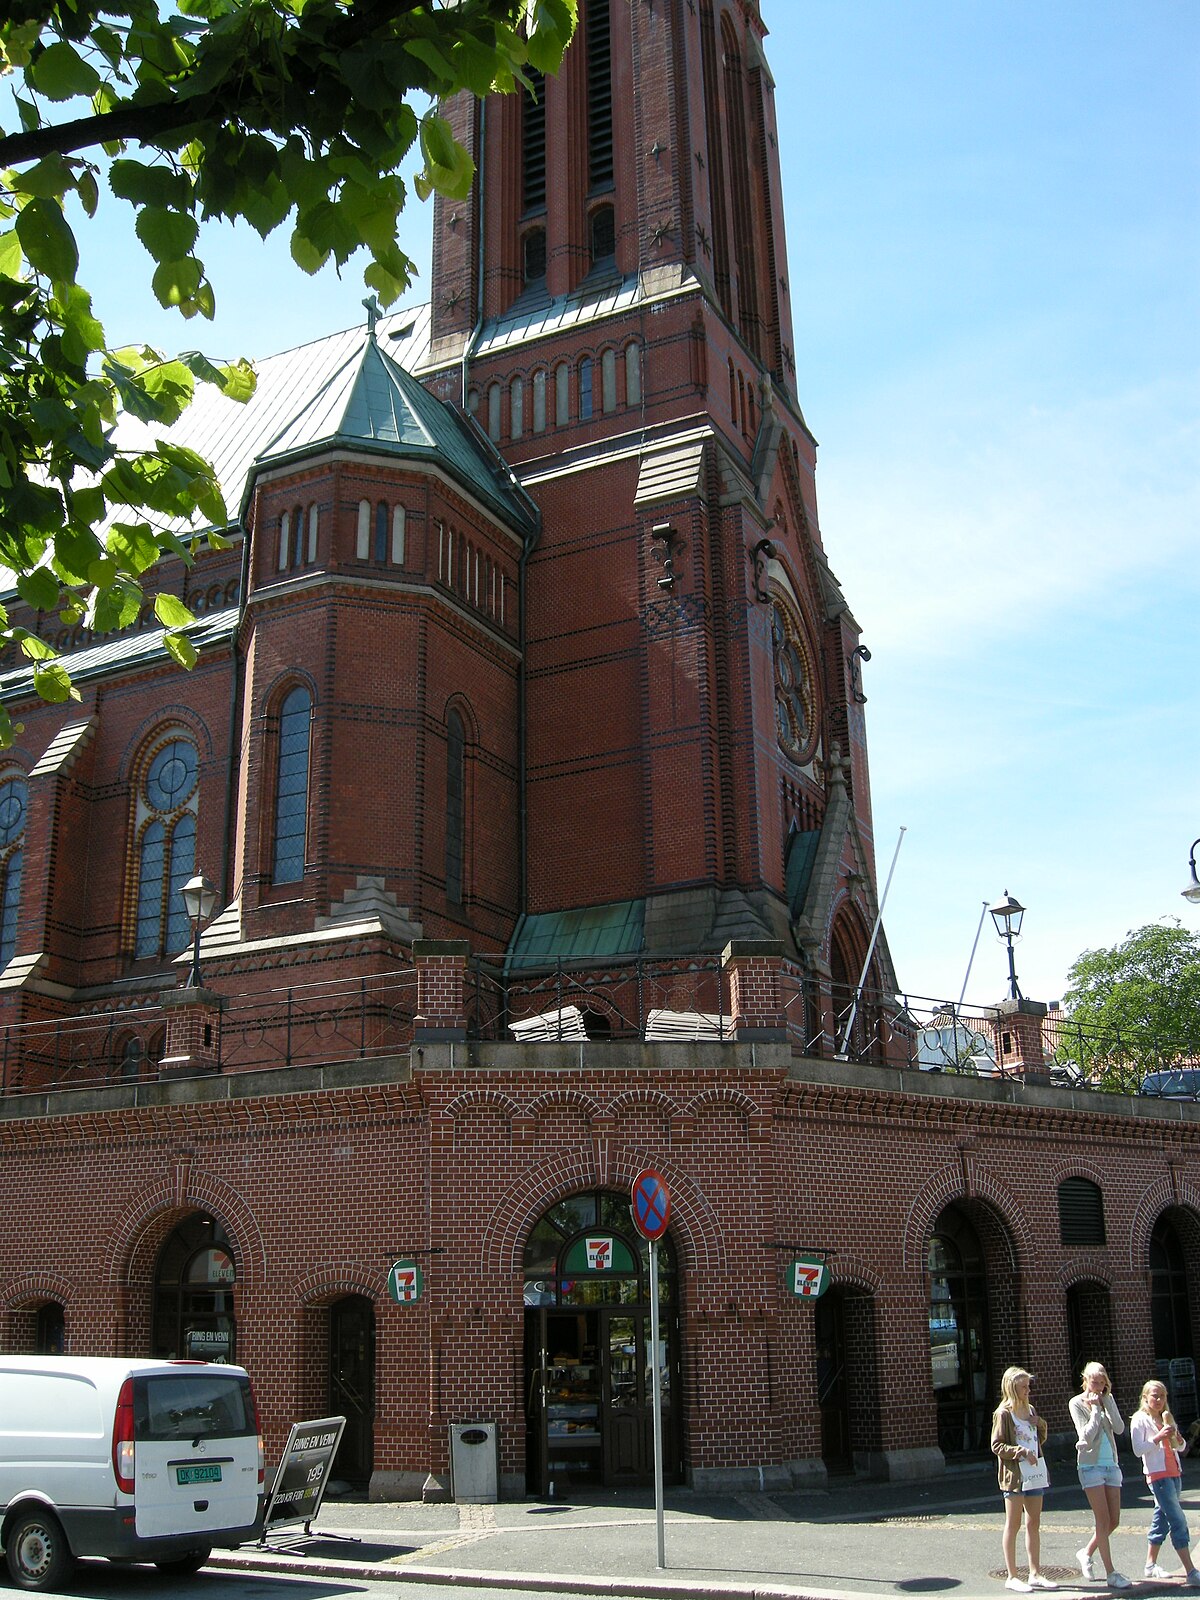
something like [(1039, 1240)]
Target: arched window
[(516, 408), (362, 542), (285, 524), (167, 803), (562, 394), (585, 388), (533, 255), (633, 375), (298, 538), (539, 400), (313, 524), (493, 423), (602, 229), (398, 527), (291, 788), (456, 794), (14, 806), (382, 518), (608, 380), (194, 1279)]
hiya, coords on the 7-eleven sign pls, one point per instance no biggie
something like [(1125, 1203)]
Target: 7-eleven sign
[(808, 1277), (599, 1254), (406, 1283)]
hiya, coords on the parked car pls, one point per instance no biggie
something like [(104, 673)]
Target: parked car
[(1180, 1083), (135, 1460)]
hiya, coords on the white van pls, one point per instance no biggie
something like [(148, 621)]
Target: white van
[(135, 1460)]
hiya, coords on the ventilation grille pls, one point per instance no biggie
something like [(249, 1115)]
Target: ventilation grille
[(600, 116), (1080, 1212), (533, 142)]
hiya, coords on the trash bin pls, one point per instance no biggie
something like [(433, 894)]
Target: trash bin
[(474, 1463)]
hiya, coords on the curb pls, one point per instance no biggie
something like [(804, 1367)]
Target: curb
[(551, 1582)]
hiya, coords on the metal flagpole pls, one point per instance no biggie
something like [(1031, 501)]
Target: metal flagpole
[(656, 1392)]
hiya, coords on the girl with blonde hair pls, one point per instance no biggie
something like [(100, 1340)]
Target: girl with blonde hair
[(1154, 1437), (1097, 1424), (1018, 1434)]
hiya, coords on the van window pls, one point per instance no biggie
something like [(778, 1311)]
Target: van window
[(189, 1404)]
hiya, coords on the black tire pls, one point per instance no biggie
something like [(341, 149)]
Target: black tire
[(184, 1566), (36, 1550)]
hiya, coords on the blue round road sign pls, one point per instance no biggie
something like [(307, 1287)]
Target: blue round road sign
[(651, 1204)]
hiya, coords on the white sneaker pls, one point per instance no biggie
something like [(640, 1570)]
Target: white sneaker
[(1038, 1580), (1193, 1579), (1153, 1570), (1118, 1580), (1018, 1585), (1085, 1559)]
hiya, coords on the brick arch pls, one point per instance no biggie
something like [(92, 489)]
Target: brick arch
[(586, 1103), (1074, 1166), (1161, 1196), (161, 721), (945, 1186), (723, 1099), (273, 694), (132, 1246), (655, 1099), (35, 1288), (851, 1272), (466, 712), (326, 1284), (695, 1224), (1094, 1268), (481, 1100)]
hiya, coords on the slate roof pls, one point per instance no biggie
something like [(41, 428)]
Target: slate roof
[(125, 651)]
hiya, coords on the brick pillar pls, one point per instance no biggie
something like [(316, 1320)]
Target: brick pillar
[(441, 990), (755, 968), (193, 1033), (1019, 1048)]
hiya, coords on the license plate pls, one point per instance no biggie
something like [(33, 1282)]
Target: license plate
[(209, 1474)]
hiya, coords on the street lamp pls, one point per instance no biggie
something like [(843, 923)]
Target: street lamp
[(1008, 914), (199, 898), (1192, 892)]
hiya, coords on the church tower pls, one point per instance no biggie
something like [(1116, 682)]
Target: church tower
[(612, 306)]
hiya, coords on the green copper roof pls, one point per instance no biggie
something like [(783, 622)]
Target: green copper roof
[(611, 930), (370, 402), (801, 853)]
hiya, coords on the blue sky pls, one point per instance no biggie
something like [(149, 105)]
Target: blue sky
[(994, 256)]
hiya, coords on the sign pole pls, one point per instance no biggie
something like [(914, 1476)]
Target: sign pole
[(656, 1391)]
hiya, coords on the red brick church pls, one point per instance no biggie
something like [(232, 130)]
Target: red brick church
[(525, 758)]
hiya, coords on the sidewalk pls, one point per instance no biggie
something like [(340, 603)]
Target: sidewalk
[(858, 1539)]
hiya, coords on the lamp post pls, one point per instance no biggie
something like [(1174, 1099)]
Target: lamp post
[(1192, 891), (1008, 914), (199, 898)]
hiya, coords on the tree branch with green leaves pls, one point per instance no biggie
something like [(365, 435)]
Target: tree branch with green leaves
[(273, 112)]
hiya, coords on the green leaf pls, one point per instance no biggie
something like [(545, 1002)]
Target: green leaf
[(147, 185), (11, 254), (181, 648), (52, 682), (36, 649), (171, 611), (175, 282), (168, 235), (39, 589), (47, 240), (60, 72), (132, 546)]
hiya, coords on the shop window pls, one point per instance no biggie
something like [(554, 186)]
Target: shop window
[(291, 788), (194, 1279), (456, 789), (1080, 1212), (167, 804), (14, 805)]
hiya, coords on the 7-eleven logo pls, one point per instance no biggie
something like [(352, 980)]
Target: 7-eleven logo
[(599, 1254)]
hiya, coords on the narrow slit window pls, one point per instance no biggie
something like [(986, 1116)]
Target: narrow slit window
[(291, 788)]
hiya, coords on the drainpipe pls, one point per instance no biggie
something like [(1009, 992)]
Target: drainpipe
[(473, 338)]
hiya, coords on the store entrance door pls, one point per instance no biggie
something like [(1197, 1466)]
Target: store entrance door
[(352, 1384), (590, 1399)]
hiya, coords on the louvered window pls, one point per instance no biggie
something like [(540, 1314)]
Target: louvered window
[(600, 114), (455, 807), (1080, 1212), (533, 142)]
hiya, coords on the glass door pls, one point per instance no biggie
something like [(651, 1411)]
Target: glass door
[(628, 1415)]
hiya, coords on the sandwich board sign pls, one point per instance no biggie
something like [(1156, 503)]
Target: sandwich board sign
[(302, 1475)]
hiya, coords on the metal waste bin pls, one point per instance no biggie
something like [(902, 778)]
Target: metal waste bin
[(474, 1463)]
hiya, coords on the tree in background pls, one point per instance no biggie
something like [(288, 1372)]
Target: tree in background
[(1135, 1007), (274, 111)]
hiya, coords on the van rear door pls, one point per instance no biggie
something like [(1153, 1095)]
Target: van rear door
[(196, 1456)]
